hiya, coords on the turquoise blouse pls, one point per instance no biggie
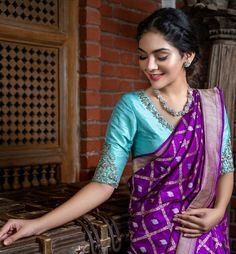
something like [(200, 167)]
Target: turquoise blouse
[(136, 126)]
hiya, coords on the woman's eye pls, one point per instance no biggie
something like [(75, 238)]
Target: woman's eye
[(162, 58), (142, 57)]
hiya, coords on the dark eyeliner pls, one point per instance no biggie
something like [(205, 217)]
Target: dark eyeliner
[(162, 58), (142, 57)]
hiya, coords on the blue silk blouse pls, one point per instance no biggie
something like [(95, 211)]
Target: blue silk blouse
[(137, 126)]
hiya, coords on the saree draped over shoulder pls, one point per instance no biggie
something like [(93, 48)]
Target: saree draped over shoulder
[(181, 174)]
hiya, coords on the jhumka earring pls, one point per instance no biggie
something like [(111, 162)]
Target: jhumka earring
[(187, 64)]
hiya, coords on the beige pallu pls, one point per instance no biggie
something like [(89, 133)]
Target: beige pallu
[(213, 112)]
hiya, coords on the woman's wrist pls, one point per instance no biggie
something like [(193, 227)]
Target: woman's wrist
[(40, 225), (220, 211)]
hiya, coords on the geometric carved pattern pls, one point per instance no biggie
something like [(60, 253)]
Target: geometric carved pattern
[(29, 94), (41, 12), (29, 176)]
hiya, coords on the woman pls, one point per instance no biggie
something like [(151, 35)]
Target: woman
[(180, 140)]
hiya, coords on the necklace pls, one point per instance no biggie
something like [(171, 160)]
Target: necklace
[(172, 111)]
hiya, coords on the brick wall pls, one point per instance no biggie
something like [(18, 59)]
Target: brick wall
[(108, 68)]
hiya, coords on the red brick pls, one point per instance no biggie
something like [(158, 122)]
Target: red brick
[(129, 72), (94, 3), (125, 86), (142, 5), (107, 40), (106, 10), (117, 96), (91, 145), (90, 83), (141, 85), (109, 70), (89, 161), (110, 25), (126, 43), (91, 130), (128, 58), (90, 49), (89, 98), (90, 114), (90, 66), (110, 55), (128, 30), (107, 100), (91, 33), (128, 15), (109, 84), (90, 16), (106, 114)]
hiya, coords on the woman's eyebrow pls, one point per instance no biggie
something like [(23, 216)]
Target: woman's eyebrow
[(155, 51)]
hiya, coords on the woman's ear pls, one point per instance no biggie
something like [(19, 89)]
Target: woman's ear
[(188, 57)]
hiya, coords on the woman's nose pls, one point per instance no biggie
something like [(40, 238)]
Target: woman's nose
[(151, 64)]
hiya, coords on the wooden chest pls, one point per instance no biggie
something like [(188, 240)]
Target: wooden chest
[(104, 230)]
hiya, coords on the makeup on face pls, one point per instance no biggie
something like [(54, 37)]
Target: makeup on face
[(160, 61), (160, 54)]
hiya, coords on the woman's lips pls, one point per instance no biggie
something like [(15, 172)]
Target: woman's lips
[(155, 77)]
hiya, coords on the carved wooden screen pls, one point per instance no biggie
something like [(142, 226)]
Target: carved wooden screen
[(38, 109)]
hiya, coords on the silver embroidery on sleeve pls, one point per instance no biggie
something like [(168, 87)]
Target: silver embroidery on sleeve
[(106, 169), (227, 159)]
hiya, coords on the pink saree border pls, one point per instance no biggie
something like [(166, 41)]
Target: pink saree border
[(212, 107)]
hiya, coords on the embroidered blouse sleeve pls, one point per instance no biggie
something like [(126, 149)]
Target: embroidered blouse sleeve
[(119, 139), (226, 155)]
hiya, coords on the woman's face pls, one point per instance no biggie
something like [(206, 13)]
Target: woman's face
[(160, 61)]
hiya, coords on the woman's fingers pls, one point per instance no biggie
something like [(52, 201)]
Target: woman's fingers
[(11, 231), (192, 235), (188, 230), (189, 218), (6, 229), (4, 237), (9, 240), (187, 224), (199, 212)]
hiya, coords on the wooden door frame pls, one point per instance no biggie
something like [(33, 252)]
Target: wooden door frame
[(66, 40)]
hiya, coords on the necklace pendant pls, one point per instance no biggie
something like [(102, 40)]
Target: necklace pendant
[(171, 111)]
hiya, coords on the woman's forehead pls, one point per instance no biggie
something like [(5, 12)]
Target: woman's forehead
[(153, 41)]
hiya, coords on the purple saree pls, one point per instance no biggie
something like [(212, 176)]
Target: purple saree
[(179, 175)]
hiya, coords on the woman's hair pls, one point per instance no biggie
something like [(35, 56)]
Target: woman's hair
[(176, 28)]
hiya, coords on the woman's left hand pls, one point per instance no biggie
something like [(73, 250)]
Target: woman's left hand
[(195, 222)]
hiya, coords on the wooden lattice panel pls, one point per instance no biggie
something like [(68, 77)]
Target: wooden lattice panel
[(41, 12), (28, 95)]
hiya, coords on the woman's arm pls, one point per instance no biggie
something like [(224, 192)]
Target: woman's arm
[(197, 221), (224, 191), (89, 197)]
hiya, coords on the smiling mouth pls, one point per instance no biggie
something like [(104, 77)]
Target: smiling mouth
[(155, 77)]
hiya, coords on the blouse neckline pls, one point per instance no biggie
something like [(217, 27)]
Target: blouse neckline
[(147, 102)]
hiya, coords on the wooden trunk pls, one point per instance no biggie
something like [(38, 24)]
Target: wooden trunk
[(103, 230)]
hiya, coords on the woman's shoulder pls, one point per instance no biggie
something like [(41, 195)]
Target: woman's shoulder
[(130, 98)]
